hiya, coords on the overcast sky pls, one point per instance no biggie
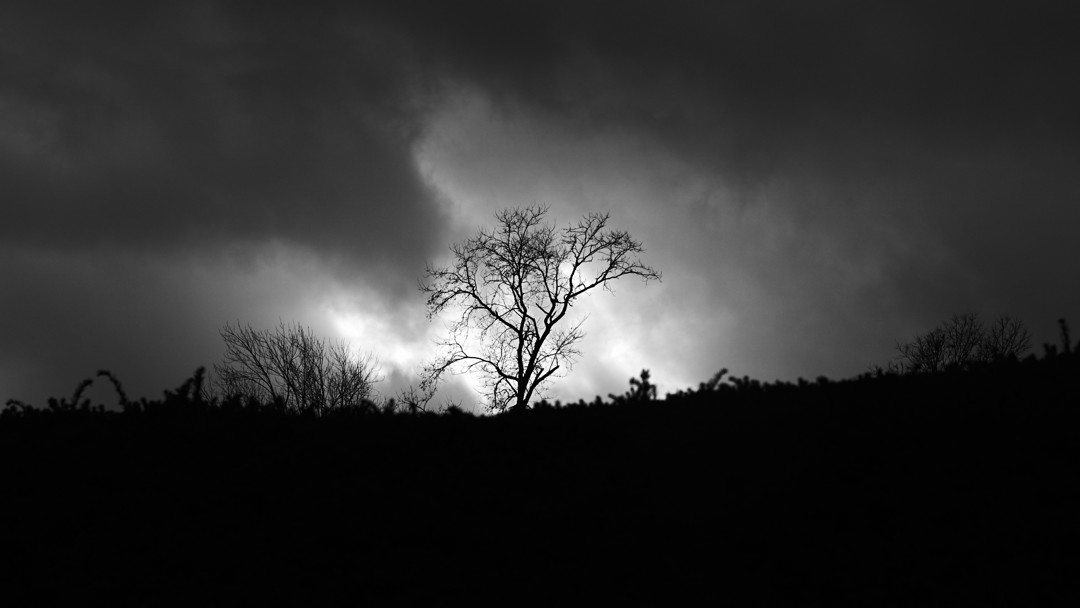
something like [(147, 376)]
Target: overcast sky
[(815, 180)]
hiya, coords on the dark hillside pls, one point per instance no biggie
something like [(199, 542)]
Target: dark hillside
[(940, 489)]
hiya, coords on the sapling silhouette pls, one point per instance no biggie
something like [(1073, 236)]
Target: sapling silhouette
[(641, 391)]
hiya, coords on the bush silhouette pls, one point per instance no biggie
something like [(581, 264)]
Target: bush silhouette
[(290, 365), (963, 340), (641, 391)]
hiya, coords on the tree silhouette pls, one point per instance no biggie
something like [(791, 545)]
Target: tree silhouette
[(289, 365), (515, 285), (962, 340)]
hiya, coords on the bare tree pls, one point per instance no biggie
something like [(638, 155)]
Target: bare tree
[(515, 285), (962, 340), (291, 366), (1007, 337)]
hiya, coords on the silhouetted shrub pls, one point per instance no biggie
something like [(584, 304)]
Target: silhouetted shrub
[(641, 391), (289, 364), (963, 340)]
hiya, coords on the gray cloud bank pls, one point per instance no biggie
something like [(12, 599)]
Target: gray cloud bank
[(861, 171)]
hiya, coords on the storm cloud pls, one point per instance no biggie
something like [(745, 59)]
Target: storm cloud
[(815, 181)]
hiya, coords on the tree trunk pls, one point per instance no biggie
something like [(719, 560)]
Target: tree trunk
[(520, 405)]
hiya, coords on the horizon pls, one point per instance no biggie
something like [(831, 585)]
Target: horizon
[(815, 184)]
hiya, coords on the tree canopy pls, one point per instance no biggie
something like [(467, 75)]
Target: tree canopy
[(514, 286)]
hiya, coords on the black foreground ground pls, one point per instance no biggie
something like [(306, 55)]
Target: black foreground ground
[(954, 489)]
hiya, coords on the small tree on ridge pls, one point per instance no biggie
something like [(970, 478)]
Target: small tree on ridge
[(291, 366)]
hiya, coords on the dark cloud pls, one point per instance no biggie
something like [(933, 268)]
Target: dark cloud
[(846, 173), (195, 124)]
